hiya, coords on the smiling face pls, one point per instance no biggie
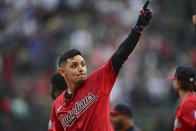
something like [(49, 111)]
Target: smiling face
[(74, 70)]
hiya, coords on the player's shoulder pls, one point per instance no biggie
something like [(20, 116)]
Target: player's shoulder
[(59, 99), (190, 98), (100, 69), (189, 102), (58, 103)]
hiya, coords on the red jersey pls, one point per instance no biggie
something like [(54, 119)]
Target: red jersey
[(186, 115), (88, 109)]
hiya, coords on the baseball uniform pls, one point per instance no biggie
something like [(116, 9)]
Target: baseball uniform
[(185, 119), (88, 109)]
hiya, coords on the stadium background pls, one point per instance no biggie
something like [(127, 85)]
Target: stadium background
[(33, 33)]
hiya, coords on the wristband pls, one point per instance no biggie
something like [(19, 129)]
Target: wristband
[(138, 31)]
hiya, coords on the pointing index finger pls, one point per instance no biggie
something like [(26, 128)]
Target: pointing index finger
[(146, 4)]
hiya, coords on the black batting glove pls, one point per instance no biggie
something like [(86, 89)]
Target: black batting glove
[(144, 18)]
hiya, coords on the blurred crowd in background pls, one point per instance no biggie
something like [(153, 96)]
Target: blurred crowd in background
[(33, 33)]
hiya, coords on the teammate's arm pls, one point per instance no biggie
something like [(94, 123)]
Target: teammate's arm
[(125, 49)]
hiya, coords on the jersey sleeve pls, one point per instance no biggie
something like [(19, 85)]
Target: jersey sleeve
[(56, 125), (187, 114), (104, 77)]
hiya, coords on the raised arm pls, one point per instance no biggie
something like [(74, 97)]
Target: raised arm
[(128, 45)]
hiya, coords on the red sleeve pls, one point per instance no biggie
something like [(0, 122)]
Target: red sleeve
[(187, 114), (55, 123), (104, 77)]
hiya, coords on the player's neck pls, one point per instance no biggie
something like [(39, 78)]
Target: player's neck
[(72, 88), (183, 94)]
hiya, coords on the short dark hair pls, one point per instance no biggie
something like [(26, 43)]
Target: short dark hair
[(68, 54), (58, 82), (187, 86)]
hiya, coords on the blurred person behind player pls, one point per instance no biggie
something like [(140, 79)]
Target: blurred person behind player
[(57, 86), (84, 106), (184, 84), (121, 117), (194, 23)]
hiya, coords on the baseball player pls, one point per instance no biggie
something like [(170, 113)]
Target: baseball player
[(57, 86), (185, 86), (84, 106)]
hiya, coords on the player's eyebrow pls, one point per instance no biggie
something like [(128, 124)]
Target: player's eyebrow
[(74, 62)]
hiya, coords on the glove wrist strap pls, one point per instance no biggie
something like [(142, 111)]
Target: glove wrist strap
[(139, 27), (135, 29)]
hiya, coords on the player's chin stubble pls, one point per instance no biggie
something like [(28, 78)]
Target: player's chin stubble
[(81, 81)]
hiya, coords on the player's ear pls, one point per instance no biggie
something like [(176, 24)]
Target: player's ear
[(61, 71), (178, 83)]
